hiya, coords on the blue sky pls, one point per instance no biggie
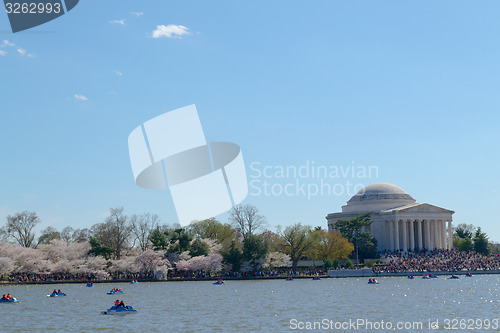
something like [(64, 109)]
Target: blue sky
[(411, 88)]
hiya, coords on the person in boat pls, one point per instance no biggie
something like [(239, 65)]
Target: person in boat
[(9, 297), (54, 292), (59, 291), (122, 304), (4, 297), (117, 303)]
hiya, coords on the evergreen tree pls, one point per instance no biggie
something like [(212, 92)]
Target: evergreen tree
[(481, 242)]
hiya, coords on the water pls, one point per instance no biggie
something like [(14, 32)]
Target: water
[(244, 306)]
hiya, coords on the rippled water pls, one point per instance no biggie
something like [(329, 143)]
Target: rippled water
[(243, 306)]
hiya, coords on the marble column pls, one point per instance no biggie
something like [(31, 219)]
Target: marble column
[(419, 234), (391, 235), (396, 234), (428, 234), (443, 234), (436, 234), (412, 235), (405, 236), (450, 239)]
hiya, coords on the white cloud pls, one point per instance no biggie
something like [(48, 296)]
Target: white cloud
[(170, 31), (80, 97), (122, 22), (21, 51), (6, 43), (138, 14), (118, 73), (3, 53)]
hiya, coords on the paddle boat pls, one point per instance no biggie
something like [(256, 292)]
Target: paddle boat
[(454, 277), (289, 278), (372, 281), (8, 299), (90, 284), (120, 310), (316, 278), (134, 282), (411, 277), (425, 276), (56, 294), (115, 291), (219, 282), (468, 274), (432, 276)]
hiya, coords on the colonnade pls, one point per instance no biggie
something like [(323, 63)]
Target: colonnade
[(405, 234)]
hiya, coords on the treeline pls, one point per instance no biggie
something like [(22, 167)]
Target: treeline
[(468, 237), (140, 243)]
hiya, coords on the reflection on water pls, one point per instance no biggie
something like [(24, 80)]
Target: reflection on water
[(243, 306)]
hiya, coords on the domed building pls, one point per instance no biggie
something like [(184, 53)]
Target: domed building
[(399, 223)]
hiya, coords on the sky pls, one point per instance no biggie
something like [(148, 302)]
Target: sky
[(400, 92)]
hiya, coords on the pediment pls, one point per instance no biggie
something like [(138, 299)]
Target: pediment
[(422, 208)]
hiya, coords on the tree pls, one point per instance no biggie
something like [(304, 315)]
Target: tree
[(481, 242), (465, 244), (273, 240), (333, 246), (97, 249), (348, 263), (350, 229), (199, 248), (179, 240), (367, 245), (20, 227), (233, 257), (142, 226), (328, 263), (464, 230), (254, 251), (158, 239), (296, 241), (81, 235), (114, 232), (277, 260), (246, 219), (48, 234), (67, 235), (212, 229)]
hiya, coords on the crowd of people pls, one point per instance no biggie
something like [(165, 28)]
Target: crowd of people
[(437, 260), (258, 274)]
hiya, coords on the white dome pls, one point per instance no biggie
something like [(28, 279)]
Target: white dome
[(381, 191)]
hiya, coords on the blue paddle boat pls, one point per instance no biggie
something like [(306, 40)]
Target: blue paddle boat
[(10, 300), (120, 310), (115, 291), (289, 278), (316, 278), (56, 294), (372, 281), (454, 277), (219, 282), (411, 277)]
